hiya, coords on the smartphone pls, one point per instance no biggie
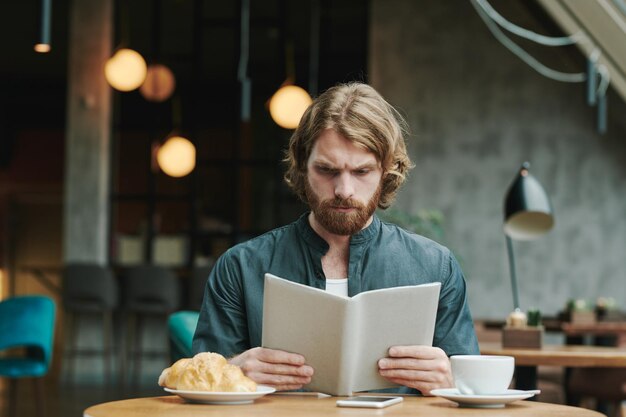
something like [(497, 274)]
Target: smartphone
[(368, 401)]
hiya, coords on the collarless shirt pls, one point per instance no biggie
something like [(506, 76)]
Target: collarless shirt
[(382, 255), (337, 286)]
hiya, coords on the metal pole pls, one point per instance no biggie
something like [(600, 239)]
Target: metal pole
[(509, 247)]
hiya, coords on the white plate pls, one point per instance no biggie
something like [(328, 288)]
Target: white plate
[(206, 397), (483, 401)]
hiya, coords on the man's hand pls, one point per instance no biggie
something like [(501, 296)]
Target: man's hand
[(279, 369), (424, 368)]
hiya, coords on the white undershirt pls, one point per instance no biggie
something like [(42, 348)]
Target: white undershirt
[(337, 286)]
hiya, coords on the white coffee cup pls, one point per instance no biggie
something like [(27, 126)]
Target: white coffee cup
[(482, 374)]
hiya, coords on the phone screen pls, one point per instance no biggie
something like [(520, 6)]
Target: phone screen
[(369, 399)]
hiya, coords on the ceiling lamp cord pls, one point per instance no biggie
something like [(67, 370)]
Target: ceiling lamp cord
[(314, 54), (242, 70), (596, 92)]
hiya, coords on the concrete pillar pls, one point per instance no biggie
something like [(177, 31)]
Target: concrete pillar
[(87, 154)]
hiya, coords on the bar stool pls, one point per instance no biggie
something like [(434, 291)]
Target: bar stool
[(89, 289), (150, 292)]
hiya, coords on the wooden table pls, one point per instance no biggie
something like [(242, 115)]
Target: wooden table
[(573, 356), (310, 406), (615, 329)]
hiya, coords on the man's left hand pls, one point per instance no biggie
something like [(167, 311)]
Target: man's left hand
[(424, 368)]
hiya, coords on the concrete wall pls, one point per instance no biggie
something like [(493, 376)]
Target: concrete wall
[(476, 113)]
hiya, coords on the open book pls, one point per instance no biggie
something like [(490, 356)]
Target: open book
[(343, 338)]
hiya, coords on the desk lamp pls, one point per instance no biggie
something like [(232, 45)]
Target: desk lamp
[(527, 216)]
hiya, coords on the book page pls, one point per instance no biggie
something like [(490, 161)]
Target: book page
[(398, 316), (309, 321)]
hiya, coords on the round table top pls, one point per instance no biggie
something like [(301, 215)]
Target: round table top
[(312, 406)]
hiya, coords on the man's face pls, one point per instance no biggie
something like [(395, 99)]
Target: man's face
[(343, 184)]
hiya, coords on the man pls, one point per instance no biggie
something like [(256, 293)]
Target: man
[(346, 158)]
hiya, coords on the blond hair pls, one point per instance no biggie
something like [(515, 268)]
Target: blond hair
[(360, 114)]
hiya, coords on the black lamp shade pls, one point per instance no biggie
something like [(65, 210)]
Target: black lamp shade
[(527, 208)]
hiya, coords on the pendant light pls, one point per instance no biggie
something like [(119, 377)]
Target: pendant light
[(125, 70), (43, 44), (159, 84), (289, 102), (177, 156)]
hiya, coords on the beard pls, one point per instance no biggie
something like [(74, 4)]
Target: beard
[(341, 223)]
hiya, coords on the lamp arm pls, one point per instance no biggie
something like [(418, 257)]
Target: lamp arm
[(509, 247)]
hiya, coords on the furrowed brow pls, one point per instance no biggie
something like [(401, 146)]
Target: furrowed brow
[(368, 165)]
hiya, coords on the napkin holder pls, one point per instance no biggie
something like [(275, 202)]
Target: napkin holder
[(522, 337)]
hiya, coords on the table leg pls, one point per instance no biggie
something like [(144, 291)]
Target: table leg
[(526, 377)]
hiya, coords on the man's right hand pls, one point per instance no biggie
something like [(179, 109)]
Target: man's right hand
[(279, 369)]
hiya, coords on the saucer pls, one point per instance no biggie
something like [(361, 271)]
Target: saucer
[(482, 401), (205, 397)]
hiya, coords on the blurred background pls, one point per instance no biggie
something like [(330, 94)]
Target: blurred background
[(80, 180)]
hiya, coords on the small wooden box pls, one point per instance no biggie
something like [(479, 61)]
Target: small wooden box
[(522, 337), (580, 317)]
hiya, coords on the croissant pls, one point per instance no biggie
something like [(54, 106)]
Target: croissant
[(206, 371)]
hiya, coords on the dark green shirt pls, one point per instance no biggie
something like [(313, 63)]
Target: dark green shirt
[(382, 255)]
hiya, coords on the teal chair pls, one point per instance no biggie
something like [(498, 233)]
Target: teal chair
[(26, 342), (181, 327)]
